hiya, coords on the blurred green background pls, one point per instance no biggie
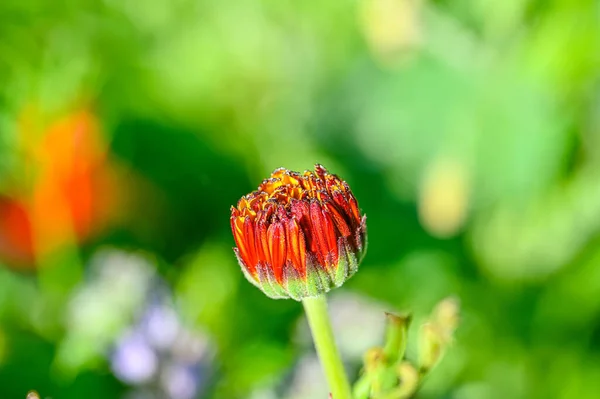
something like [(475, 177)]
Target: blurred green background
[(469, 131)]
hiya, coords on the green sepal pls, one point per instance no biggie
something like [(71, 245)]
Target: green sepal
[(319, 280)]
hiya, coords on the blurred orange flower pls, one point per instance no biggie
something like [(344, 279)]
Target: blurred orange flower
[(72, 190)]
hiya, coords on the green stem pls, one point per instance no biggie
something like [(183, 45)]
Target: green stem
[(318, 320)]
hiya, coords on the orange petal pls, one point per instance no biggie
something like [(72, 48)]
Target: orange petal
[(276, 239)]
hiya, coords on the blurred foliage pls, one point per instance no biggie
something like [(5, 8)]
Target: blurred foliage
[(469, 131)]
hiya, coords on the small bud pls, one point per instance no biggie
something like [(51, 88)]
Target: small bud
[(374, 359), (430, 346), (438, 332), (409, 380), (396, 336), (299, 235), (407, 383), (446, 317), (375, 369)]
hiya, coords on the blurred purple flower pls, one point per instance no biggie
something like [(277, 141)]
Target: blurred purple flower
[(180, 381), (133, 360), (160, 356), (191, 347), (161, 326)]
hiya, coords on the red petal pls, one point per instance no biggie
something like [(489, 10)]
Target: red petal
[(250, 241), (340, 221), (342, 203), (354, 207), (320, 247), (276, 239), (237, 225), (296, 246), (262, 245), (330, 235), (320, 170)]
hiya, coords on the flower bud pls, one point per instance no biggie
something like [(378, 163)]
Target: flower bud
[(299, 235), (436, 334), (430, 346), (396, 336), (409, 380)]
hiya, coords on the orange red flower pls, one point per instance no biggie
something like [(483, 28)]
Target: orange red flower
[(299, 235)]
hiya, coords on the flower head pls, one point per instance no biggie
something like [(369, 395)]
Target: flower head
[(299, 235)]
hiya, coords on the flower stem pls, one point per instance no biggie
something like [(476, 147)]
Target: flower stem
[(318, 320)]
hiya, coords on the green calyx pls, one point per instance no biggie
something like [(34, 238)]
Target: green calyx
[(318, 280)]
